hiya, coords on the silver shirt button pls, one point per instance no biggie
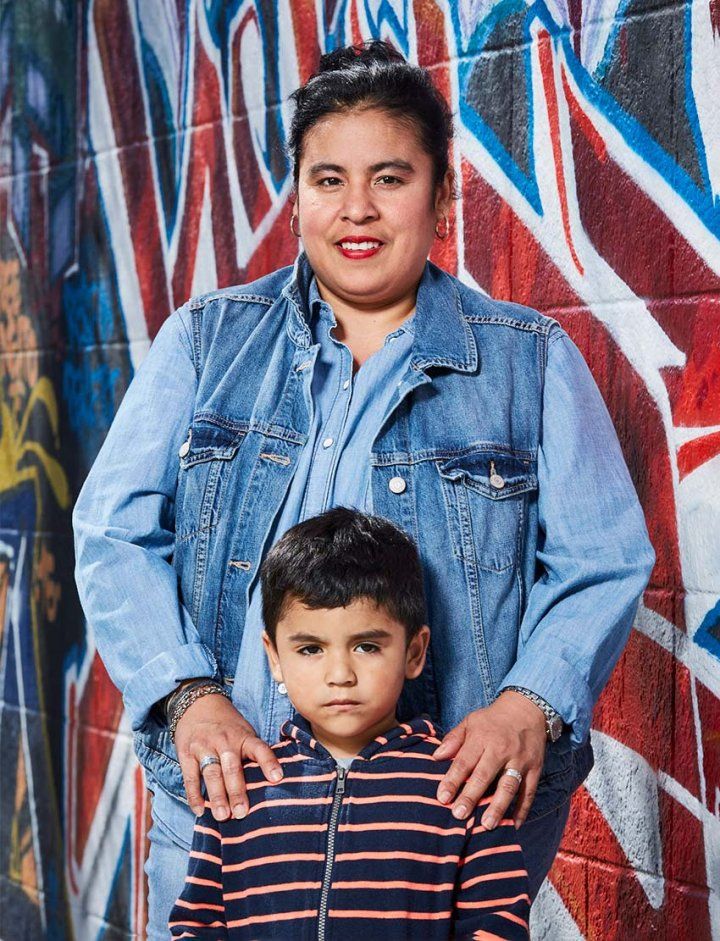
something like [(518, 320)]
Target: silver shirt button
[(184, 448), (497, 481), (346, 384), (327, 442), (397, 485)]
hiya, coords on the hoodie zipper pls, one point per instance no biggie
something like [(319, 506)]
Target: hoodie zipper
[(330, 854)]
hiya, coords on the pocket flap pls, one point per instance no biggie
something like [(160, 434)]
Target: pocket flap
[(495, 474), (209, 441)]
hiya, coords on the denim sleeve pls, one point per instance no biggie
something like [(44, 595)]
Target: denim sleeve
[(123, 523), (593, 550)]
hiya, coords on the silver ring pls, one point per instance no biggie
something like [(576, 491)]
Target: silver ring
[(208, 760), (514, 774)]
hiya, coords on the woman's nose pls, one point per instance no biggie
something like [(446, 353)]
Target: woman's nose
[(358, 206)]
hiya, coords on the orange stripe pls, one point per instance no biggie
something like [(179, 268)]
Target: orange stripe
[(492, 850), (195, 924), (383, 776), (199, 906), (414, 827), (511, 874), (506, 822), (199, 828), (490, 902), (397, 799), (289, 802), (254, 764), (267, 831), (360, 913), (268, 860), (417, 857), (396, 884), (195, 854), (196, 880), (515, 918), (303, 778), (276, 916), (403, 754), (278, 887)]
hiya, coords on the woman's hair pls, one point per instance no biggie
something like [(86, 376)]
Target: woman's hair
[(368, 75), (341, 556)]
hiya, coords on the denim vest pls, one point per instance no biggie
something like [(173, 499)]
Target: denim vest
[(456, 465)]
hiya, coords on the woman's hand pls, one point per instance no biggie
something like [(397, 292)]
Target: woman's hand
[(213, 726), (508, 734)]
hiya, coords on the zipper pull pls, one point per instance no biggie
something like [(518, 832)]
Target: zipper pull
[(341, 772)]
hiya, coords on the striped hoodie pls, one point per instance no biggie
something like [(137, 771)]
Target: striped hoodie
[(356, 855)]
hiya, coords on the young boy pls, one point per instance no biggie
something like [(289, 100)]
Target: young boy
[(352, 843)]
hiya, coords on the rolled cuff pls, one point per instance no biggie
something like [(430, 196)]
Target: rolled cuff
[(560, 685), (161, 675)]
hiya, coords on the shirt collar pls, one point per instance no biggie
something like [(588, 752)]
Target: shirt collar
[(401, 737), (443, 336)]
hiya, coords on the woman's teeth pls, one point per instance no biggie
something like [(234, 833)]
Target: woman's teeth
[(359, 246)]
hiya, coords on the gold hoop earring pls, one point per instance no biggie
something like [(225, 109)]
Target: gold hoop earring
[(292, 226), (447, 229)]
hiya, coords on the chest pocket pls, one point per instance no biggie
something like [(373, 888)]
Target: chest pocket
[(205, 457), (485, 493)]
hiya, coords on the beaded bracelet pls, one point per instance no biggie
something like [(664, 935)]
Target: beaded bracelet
[(188, 697)]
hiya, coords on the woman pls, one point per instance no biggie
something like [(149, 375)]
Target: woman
[(366, 376)]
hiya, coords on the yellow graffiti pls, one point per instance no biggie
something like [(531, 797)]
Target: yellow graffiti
[(19, 365)]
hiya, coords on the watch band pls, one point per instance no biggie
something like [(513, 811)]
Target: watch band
[(553, 720)]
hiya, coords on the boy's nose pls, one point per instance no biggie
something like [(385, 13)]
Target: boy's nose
[(340, 673)]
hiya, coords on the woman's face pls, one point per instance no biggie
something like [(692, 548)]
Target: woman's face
[(364, 176)]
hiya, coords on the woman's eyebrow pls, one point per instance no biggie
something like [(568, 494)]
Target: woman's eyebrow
[(395, 164)]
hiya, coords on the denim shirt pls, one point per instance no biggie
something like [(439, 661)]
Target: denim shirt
[(498, 457), (333, 470)]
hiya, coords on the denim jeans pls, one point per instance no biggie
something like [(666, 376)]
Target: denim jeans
[(171, 836)]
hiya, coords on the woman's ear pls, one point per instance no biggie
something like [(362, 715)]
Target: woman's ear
[(415, 654), (272, 655), (445, 193)]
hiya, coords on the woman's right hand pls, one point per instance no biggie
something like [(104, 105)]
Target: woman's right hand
[(213, 726)]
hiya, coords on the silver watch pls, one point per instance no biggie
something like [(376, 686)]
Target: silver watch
[(553, 719)]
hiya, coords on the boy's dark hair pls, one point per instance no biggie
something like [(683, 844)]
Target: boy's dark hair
[(342, 555), (374, 74)]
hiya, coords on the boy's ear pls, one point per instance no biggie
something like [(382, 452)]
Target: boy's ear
[(416, 652), (272, 656)]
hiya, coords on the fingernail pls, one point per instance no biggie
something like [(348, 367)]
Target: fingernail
[(444, 795), (222, 813), (198, 810), (489, 822), (459, 811), (276, 774), (239, 811)]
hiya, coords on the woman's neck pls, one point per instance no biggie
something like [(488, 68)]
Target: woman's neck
[(363, 330)]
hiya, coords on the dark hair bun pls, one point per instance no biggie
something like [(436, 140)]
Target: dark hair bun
[(361, 54)]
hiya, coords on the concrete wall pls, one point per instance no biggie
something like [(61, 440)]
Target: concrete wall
[(141, 161)]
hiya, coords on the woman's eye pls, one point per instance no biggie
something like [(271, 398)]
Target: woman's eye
[(369, 648)]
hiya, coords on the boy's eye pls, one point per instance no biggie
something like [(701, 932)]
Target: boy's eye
[(370, 648), (327, 179), (393, 179), (308, 650)]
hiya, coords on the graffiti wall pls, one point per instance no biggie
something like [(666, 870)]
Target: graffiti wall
[(141, 161)]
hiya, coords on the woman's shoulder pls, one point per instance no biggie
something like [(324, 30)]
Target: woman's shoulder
[(264, 290), (479, 307)]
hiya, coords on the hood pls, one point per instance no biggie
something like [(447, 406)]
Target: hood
[(402, 737)]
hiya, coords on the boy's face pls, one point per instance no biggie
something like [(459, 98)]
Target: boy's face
[(344, 669)]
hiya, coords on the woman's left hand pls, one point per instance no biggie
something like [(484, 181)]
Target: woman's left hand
[(510, 733)]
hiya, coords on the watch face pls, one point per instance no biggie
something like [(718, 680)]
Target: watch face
[(555, 727)]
